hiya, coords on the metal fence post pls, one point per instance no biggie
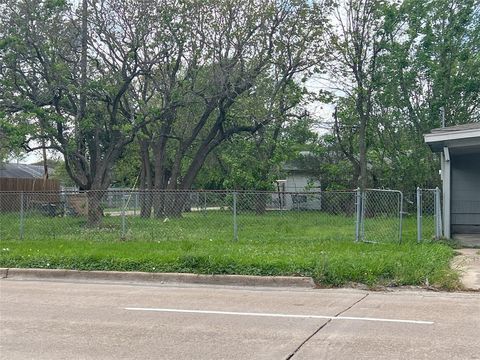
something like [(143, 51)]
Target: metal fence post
[(123, 215), (438, 215), (363, 197), (22, 215), (235, 225), (136, 204), (358, 216), (419, 214), (400, 218)]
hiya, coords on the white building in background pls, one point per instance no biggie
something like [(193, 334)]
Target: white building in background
[(300, 180)]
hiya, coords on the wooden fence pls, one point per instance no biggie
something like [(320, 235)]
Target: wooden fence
[(11, 189), (28, 184)]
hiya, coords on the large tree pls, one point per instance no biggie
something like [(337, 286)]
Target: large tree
[(64, 75), (218, 58), (356, 40), (420, 59), (85, 78), (429, 73)]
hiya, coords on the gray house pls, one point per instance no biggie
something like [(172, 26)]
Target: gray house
[(459, 147), (299, 178), (21, 171)]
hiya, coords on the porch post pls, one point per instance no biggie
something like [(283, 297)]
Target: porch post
[(446, 177)]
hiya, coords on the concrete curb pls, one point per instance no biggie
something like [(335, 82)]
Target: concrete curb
[(3, 273), (159, 278)]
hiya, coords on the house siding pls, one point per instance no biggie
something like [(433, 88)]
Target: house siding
[(465, 190)]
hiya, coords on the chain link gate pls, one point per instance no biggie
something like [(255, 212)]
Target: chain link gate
[(429, 214), (379, 215)]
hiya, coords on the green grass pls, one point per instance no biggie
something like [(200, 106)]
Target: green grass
[(199, 226), (303, 244)]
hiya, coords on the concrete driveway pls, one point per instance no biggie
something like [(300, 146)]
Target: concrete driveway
[(467, 263), (59, 320)]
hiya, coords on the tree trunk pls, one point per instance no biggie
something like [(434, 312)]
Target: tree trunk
[(96, 193), (95, 210), (146, 201), (146, 181), (83, 74), (160, 176), (175, 203)]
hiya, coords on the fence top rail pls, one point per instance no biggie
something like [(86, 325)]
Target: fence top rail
[(385, 190), (139, 191)]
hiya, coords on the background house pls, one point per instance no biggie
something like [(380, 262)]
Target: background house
[(24, 178), (300, 178)]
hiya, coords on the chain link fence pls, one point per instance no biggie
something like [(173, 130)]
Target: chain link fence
[(134, 215), (429, 214), (380, 215)]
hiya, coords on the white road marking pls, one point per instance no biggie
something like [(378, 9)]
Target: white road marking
[(211, 312)]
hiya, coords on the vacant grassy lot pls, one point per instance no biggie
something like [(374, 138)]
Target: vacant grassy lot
[(298, 243), (197, 226)]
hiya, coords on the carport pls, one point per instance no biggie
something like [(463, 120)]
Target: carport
[(459, 147)]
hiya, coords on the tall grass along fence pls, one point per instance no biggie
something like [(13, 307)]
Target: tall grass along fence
[(371, 216)]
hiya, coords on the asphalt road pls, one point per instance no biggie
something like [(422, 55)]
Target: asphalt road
[(59, 320)]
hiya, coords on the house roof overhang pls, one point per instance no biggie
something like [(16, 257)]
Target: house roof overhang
[(459, 139)]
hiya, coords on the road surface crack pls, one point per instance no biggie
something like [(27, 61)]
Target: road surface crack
[(292, 354)]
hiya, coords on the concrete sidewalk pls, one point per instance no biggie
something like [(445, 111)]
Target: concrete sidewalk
[(468, 240), (468, 264)]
